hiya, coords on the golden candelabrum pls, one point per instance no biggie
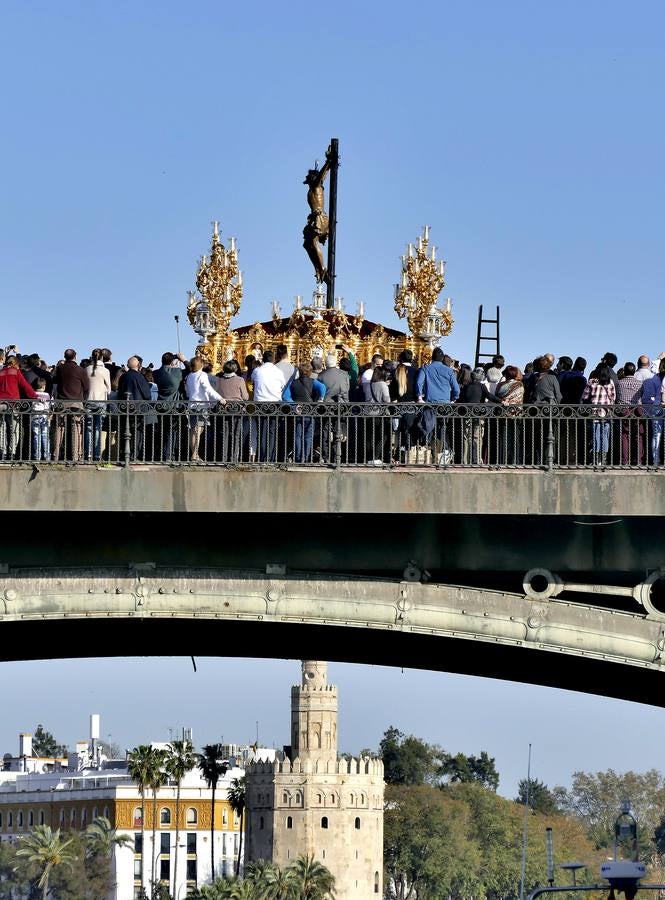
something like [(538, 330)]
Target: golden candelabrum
[(219, 286), (423, 279)]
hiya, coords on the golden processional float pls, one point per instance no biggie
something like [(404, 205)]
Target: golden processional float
[(320, 326)]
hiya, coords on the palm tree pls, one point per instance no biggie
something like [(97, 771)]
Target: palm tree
[(314, 881), (157, 779), (180, 760), (236, 797), (46, 849), (213, 767), (139, 762), (280, 884), (101, 840)]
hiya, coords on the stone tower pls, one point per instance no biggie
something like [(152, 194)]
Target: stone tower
[(310, 802)]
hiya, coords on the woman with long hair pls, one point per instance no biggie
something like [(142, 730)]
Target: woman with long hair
[(379, 426), (95, 406), (600, 391)]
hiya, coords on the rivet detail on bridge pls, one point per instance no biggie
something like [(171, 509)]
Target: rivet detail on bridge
[(534, 621), (272, 595), (161, 591), (11, 594)]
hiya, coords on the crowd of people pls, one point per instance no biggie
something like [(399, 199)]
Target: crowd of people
[(70, 411)]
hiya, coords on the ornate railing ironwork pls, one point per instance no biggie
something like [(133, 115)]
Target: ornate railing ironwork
[(439, 435)]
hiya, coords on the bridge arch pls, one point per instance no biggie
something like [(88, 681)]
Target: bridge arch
[(46, 613)]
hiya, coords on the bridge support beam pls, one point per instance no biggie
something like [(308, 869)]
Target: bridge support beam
[(114, 612)]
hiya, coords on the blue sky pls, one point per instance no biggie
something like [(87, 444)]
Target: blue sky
[(529, 136), (141, 699)]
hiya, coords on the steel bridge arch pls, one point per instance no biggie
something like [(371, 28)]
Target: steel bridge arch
[(148, 611)]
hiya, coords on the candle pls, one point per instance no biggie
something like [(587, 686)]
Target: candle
[(410, 250), (396, 291), (426, 232), (433, 253), (403, 279), (361, 308), (442, 267), (233, 245), (420, 242), (298, 301), (215, 229), (448, 304), (239, 278)]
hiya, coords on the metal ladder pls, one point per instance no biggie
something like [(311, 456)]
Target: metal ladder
[(493, 338)]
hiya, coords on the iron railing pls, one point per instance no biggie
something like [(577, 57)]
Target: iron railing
[(535, 436)]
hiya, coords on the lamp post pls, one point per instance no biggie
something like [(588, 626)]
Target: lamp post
[(422, 280)]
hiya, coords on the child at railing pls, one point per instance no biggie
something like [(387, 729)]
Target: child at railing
[(39, 422)]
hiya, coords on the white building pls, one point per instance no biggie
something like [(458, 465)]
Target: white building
[(72, 798)]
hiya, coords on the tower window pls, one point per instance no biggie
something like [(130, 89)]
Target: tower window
[(376, 882), (192, 816), (324, 822), (165, 816), (289, 822), (358, 823)]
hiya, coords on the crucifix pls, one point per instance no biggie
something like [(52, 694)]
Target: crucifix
[(322, 226)]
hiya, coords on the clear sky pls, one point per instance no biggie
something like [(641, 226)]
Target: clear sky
[(141, 699), (529, 136)]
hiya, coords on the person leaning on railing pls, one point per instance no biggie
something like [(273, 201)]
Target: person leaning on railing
[(475, 394), (72, 385), (233, 430), (99, 388), (600, 391), (201, 395), (13, 387), (436, 383)]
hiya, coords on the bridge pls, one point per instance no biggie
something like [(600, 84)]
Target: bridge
[(548, 577)]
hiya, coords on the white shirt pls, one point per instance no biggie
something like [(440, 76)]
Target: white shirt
[(198, 388), (269, 382)]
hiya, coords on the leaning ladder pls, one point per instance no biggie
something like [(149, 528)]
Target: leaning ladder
[(485, 339)]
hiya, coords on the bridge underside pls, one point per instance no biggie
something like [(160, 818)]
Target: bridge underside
[(53, 613), (342, 548)]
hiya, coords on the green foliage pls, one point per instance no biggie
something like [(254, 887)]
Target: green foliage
[(541, 798), (44, 744), (237, 797), (595, 799), (407, 759), (470, 769), (44, 850), (466, 841), (306, 879)]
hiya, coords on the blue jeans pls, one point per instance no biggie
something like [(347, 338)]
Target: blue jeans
[(304, 438), (656, 435), (94, 425), (41, 445), (601, 437)]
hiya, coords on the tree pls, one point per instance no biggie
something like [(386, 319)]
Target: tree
[(213, 766), (46, 850), (541, 798), (45, 745), (596, 800), (237, 797), (157, 778), (312, 879), (427, 851), (407, 759), (468, 769), (139, 762), (180, 760), (101, 841), (280, 884)]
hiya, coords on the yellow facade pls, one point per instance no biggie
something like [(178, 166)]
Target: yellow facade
[(18, 817)]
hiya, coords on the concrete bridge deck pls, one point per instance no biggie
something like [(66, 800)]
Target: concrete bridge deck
[(478, 492)]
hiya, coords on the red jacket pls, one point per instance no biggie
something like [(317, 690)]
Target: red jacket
[(13, 385)]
